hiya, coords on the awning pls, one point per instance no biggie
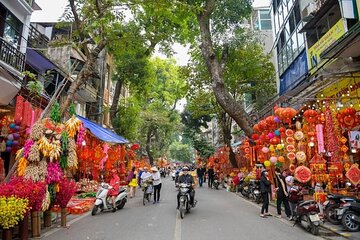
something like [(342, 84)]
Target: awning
[(38, 61), (9, 87), (102, 133)]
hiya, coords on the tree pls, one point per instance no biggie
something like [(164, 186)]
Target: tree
[(181, 152), (92, 27)]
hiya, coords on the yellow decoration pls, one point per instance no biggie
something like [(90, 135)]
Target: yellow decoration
[(272, 148), (279, 147), (72, 126), (267, 163), (22, 166), (12, 210)]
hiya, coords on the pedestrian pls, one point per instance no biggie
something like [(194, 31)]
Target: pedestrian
[(265, 189), (130, 175), (156, 183), (200, 171), (281, 194), (133, 184), (211, 176), (295, 196)]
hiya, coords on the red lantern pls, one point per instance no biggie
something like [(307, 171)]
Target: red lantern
[(274, 141), (256, 128), (262, 125), (135, 147), (255, 136)]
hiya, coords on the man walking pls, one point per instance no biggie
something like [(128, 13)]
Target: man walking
[(211, 176), (282, 193), (200, 171)]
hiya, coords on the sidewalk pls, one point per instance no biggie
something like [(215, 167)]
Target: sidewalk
[(336, 229)]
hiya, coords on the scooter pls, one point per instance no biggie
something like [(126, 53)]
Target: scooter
[(307, 214), (256, 192), (216, 183), (350, 216), (333, 203), (105, 203), (185, 206), (173, 175)]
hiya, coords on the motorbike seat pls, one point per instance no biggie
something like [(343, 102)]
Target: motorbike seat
[(306, 203), (122, 190), (335, 196)]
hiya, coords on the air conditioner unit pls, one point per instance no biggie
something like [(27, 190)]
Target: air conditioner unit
[(308, 12)]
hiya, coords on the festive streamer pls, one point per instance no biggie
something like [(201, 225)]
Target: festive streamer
[(102, 162), (28, 131), (320, 137)]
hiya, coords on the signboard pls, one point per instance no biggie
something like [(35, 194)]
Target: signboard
[(346, 90), (324, 42)]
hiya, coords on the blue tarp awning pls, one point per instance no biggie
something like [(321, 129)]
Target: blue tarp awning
[(38, 61), (102, 133)]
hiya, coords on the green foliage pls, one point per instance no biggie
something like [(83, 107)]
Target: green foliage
[(181, 152), (55, 113), (72, 111)]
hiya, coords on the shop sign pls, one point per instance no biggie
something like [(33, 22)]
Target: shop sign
[(346, 91), (324, 42)]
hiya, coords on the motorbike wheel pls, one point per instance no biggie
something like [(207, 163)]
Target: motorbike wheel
[(330, 213), (258, 199), (182, 211), (348, 222), (314, 229), (122, 204), (94, 210)]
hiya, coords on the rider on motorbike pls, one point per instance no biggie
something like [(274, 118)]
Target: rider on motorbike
[(188, 179)]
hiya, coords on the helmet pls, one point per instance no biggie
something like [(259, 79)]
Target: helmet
[(185, 168)]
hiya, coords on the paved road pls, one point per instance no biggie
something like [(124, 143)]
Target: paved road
[(218, 215)]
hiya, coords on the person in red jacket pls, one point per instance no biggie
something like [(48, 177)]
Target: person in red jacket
[(115, 183)]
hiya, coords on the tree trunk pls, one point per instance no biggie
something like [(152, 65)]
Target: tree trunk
[(148, 146), (86, 72), (115, 103), (223, 97), (227, 140)]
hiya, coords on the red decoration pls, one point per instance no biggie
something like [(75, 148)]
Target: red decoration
[(255, 136), (353, 174), (347, 118), (135, 147), (310, 115), (19, 109), (302, 174), (27, 114)]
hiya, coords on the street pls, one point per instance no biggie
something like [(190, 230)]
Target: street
[(218, 215)]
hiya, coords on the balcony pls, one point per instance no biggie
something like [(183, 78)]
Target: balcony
[(37, 39), (12, 56)]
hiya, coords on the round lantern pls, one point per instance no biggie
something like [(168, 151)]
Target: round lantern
[(15, 143), (279, 147), (277, 132), (12, 125), (9, 142), (256, 128), (281, 159), (276, 119), (8, 149), (272, 148), (16, 136), (265, 150), (275, 141), (10, 137), (271, 135), (17, 128), (255, 136), (273, 159), (267, 163), (262, 125)]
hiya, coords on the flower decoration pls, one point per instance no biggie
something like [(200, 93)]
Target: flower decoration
[(12, 210), (67, 190), (54, 173)]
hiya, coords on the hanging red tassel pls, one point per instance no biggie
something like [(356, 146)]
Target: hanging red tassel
[(19, 109)]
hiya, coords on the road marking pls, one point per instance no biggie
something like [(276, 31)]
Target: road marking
[(54, 230), (177, 234)]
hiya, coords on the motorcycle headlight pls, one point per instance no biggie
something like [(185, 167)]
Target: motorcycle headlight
[(183, 190)]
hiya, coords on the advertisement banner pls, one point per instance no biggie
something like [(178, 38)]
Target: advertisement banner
[(323, 43), (346, 91)]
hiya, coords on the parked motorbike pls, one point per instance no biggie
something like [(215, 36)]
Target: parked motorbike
[(216, 183), (185, 205), (246, 189), (105, 203), (256, 194), (350, 215), (307, 214), (332, 204)]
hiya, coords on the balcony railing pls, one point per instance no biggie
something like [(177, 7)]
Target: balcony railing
[(12, 55), (36, 38)]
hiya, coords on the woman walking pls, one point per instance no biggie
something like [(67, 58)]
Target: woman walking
[(265, 190), (133, 184), (156, 183)]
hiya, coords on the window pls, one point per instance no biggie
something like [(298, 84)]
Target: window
[(10, 27), (265, 19), (297, 14)]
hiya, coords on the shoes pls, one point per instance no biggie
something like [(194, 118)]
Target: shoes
[(262, 215), (114, 210), (268, 214), (279, 216), (154, 202), (290, 218), (158, 202)]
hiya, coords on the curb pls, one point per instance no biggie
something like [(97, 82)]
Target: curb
[(346, 235)]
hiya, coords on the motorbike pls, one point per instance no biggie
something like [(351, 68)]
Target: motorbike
[(173, 175), (307, 214), (349, 213), (246, 189), (331, 205), (105, 203), (256, 194), (147, 188), (185, 206), (216, 183), (162, 173)]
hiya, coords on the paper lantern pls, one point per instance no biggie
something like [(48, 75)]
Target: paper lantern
[(267, 163), (15, 143), (256, 128), (281, 159), (8, 149), (16, 136), (265, 150), (277, 119), (10, 137), (279, 147), (272, 148), (271, 135), (17, 128), (275, 141), (255, 136), (273, 159), (320, 137), (9, 142), (12, 125), (277, 132)]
